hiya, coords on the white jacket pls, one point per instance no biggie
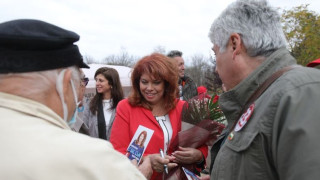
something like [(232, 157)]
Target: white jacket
[(37, 144)]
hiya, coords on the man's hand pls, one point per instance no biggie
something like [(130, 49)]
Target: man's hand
[(205, 177), (144, 167)]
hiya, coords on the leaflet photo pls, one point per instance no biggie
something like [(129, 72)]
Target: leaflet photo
[(139, 143), (190, 175)]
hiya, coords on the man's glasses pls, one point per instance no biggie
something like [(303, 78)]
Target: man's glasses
[(85, 81)]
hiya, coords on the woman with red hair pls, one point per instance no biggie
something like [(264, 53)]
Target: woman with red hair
[(153, 104)]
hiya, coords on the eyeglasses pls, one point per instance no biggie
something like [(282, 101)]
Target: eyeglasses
[(85, 81)]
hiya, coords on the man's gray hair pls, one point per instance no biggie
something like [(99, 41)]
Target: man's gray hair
[(37, 84), (255, 21), (174, 53)]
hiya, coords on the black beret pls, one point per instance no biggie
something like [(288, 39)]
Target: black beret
[(28, 45)]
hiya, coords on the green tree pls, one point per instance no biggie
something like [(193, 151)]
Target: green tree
[(302, 29)]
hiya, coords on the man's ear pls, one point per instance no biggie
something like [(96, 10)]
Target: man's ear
[(66, 83), (235, 39)]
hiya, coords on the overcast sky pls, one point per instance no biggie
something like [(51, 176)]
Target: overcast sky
[(107, 26)]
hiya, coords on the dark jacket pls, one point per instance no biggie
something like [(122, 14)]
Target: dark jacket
[(189, 88)]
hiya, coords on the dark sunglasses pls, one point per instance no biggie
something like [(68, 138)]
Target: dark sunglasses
[(85, 81)]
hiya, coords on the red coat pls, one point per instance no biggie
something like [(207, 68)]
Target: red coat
[(128, 118)]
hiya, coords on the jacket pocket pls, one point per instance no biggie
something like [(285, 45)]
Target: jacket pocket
[(240, 140), (242, 157)]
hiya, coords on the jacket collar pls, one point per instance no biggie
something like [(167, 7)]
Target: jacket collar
[(31, 108), (232, 101)]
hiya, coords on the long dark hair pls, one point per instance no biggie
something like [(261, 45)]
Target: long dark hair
[(116, 91)]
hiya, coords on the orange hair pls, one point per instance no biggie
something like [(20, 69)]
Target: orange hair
[(160, 67)]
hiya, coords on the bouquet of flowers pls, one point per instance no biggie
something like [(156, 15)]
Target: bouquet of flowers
[(202, 107), (208, 121)]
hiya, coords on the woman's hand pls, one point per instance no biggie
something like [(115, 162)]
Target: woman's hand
[(187, 155), (157, 162)]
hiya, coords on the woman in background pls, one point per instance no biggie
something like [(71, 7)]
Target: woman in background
[(100, 115), (153, 104)]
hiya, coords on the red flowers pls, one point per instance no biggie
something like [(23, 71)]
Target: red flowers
[(215, 99), (201, 107)]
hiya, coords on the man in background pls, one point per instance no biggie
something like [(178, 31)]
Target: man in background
[(39, 86), (187, 87)]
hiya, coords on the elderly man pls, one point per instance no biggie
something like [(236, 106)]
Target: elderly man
[(187, 87), (77, 123), (271, 104), (39, 84)]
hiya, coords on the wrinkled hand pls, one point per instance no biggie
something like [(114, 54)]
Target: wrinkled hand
[(134, 162), (157, 162), (205, 177), (187, 155), (144, 167)]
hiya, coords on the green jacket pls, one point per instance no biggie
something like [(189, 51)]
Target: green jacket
[(281, 138)]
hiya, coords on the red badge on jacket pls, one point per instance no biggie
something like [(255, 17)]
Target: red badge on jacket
[(244, 118)]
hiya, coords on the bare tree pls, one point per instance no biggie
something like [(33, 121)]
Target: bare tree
[(212, 79), (89, 60), (199, 65), (160, 49), (123, 59)]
